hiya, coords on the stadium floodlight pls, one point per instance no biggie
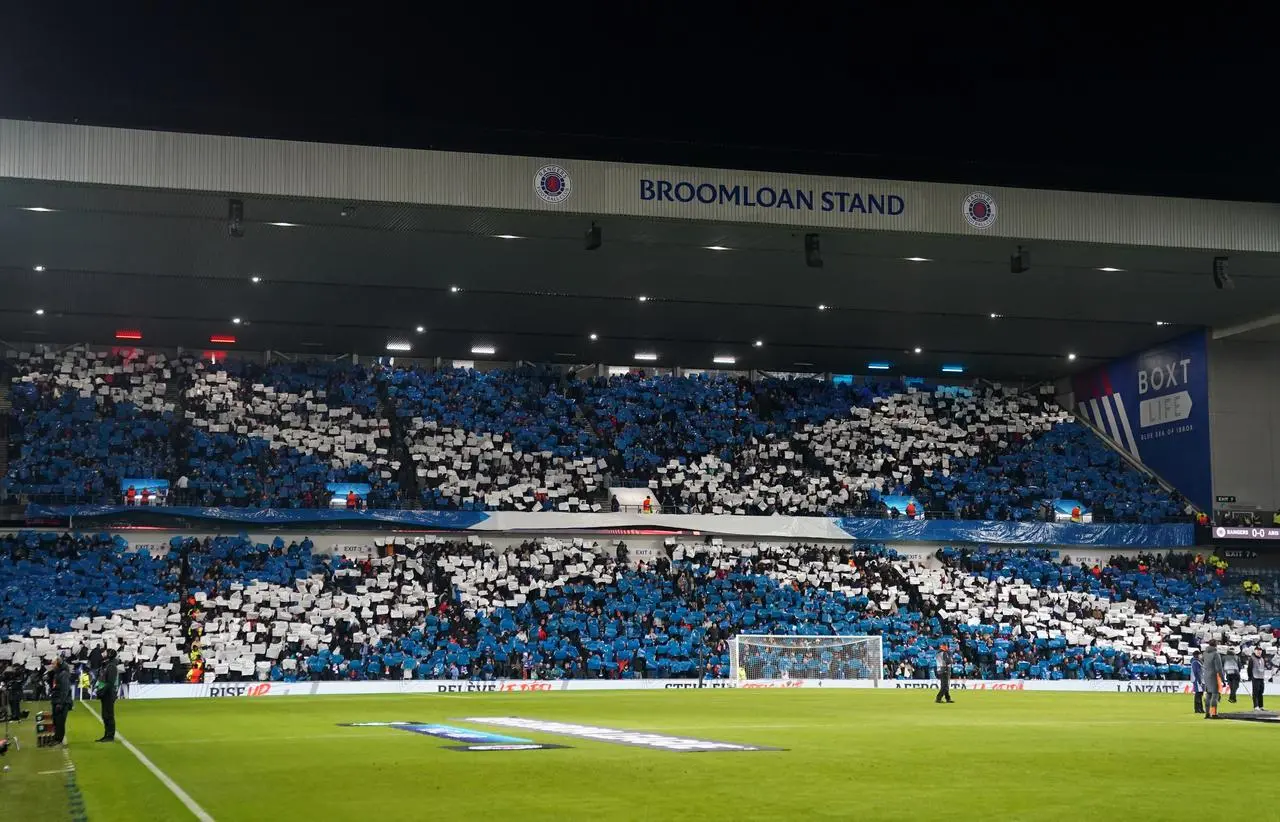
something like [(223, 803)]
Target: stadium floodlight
[(774, 657), (717, 248), (917, 259), (38, 209), (38, 269)]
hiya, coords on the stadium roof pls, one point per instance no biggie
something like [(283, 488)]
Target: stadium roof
[(355, 247)]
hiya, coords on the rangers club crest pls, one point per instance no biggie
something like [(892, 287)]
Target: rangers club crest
[(552, 184), (980, 209)]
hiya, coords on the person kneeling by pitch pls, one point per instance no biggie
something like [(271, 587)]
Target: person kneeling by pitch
[(108, 688)]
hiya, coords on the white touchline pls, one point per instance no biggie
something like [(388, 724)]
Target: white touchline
[(183, 797)]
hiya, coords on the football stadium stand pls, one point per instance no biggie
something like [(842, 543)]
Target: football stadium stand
[(431, 608), (531, 439)]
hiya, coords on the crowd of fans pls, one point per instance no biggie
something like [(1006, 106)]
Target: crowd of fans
[(535, 439), (431, 608)]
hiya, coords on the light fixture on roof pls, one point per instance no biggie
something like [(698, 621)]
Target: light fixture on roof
[(642, 298), (1221, 279), (285, 225), (724, 359), (255, 279), (594, 336), (917, 259), (1161, 322), (717, 248), (421, 329), (953, 369), (453, 289), (38, 268), (399, 346), (822, 306), (917, 349), (646, 356), (1020, 262), (235, 320), (39, 312), (996, 316), (508, 236), (1110, 270), (758, 343), (483, 349), (38, 209), (878, 366), (1071, 356)]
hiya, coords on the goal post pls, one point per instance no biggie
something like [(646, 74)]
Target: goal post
[(784, 656)]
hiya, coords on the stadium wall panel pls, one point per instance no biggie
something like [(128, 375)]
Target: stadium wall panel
[(1244, 420)]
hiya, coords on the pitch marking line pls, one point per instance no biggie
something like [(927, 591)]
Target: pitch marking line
[(183, 797)]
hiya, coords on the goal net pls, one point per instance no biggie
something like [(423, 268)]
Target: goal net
[(776, 656)]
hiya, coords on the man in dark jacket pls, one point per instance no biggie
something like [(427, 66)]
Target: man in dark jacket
[(944, 673), (1231, 673), (1211, 676), (1196, 685), (60, 697), (108, 687)]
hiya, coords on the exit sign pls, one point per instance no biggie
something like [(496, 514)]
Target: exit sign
[(1224, 498)]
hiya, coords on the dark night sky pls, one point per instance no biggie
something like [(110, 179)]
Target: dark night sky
[(1177, 105)]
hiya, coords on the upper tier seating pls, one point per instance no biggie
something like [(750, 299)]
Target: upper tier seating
[(83, 420), (1066, 461), (496, 440), (538, 440), (274, 436)]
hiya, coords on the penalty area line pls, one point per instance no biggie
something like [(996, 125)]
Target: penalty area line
[(183, 797)]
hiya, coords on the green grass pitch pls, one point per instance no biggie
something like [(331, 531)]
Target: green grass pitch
[(850, 755)]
